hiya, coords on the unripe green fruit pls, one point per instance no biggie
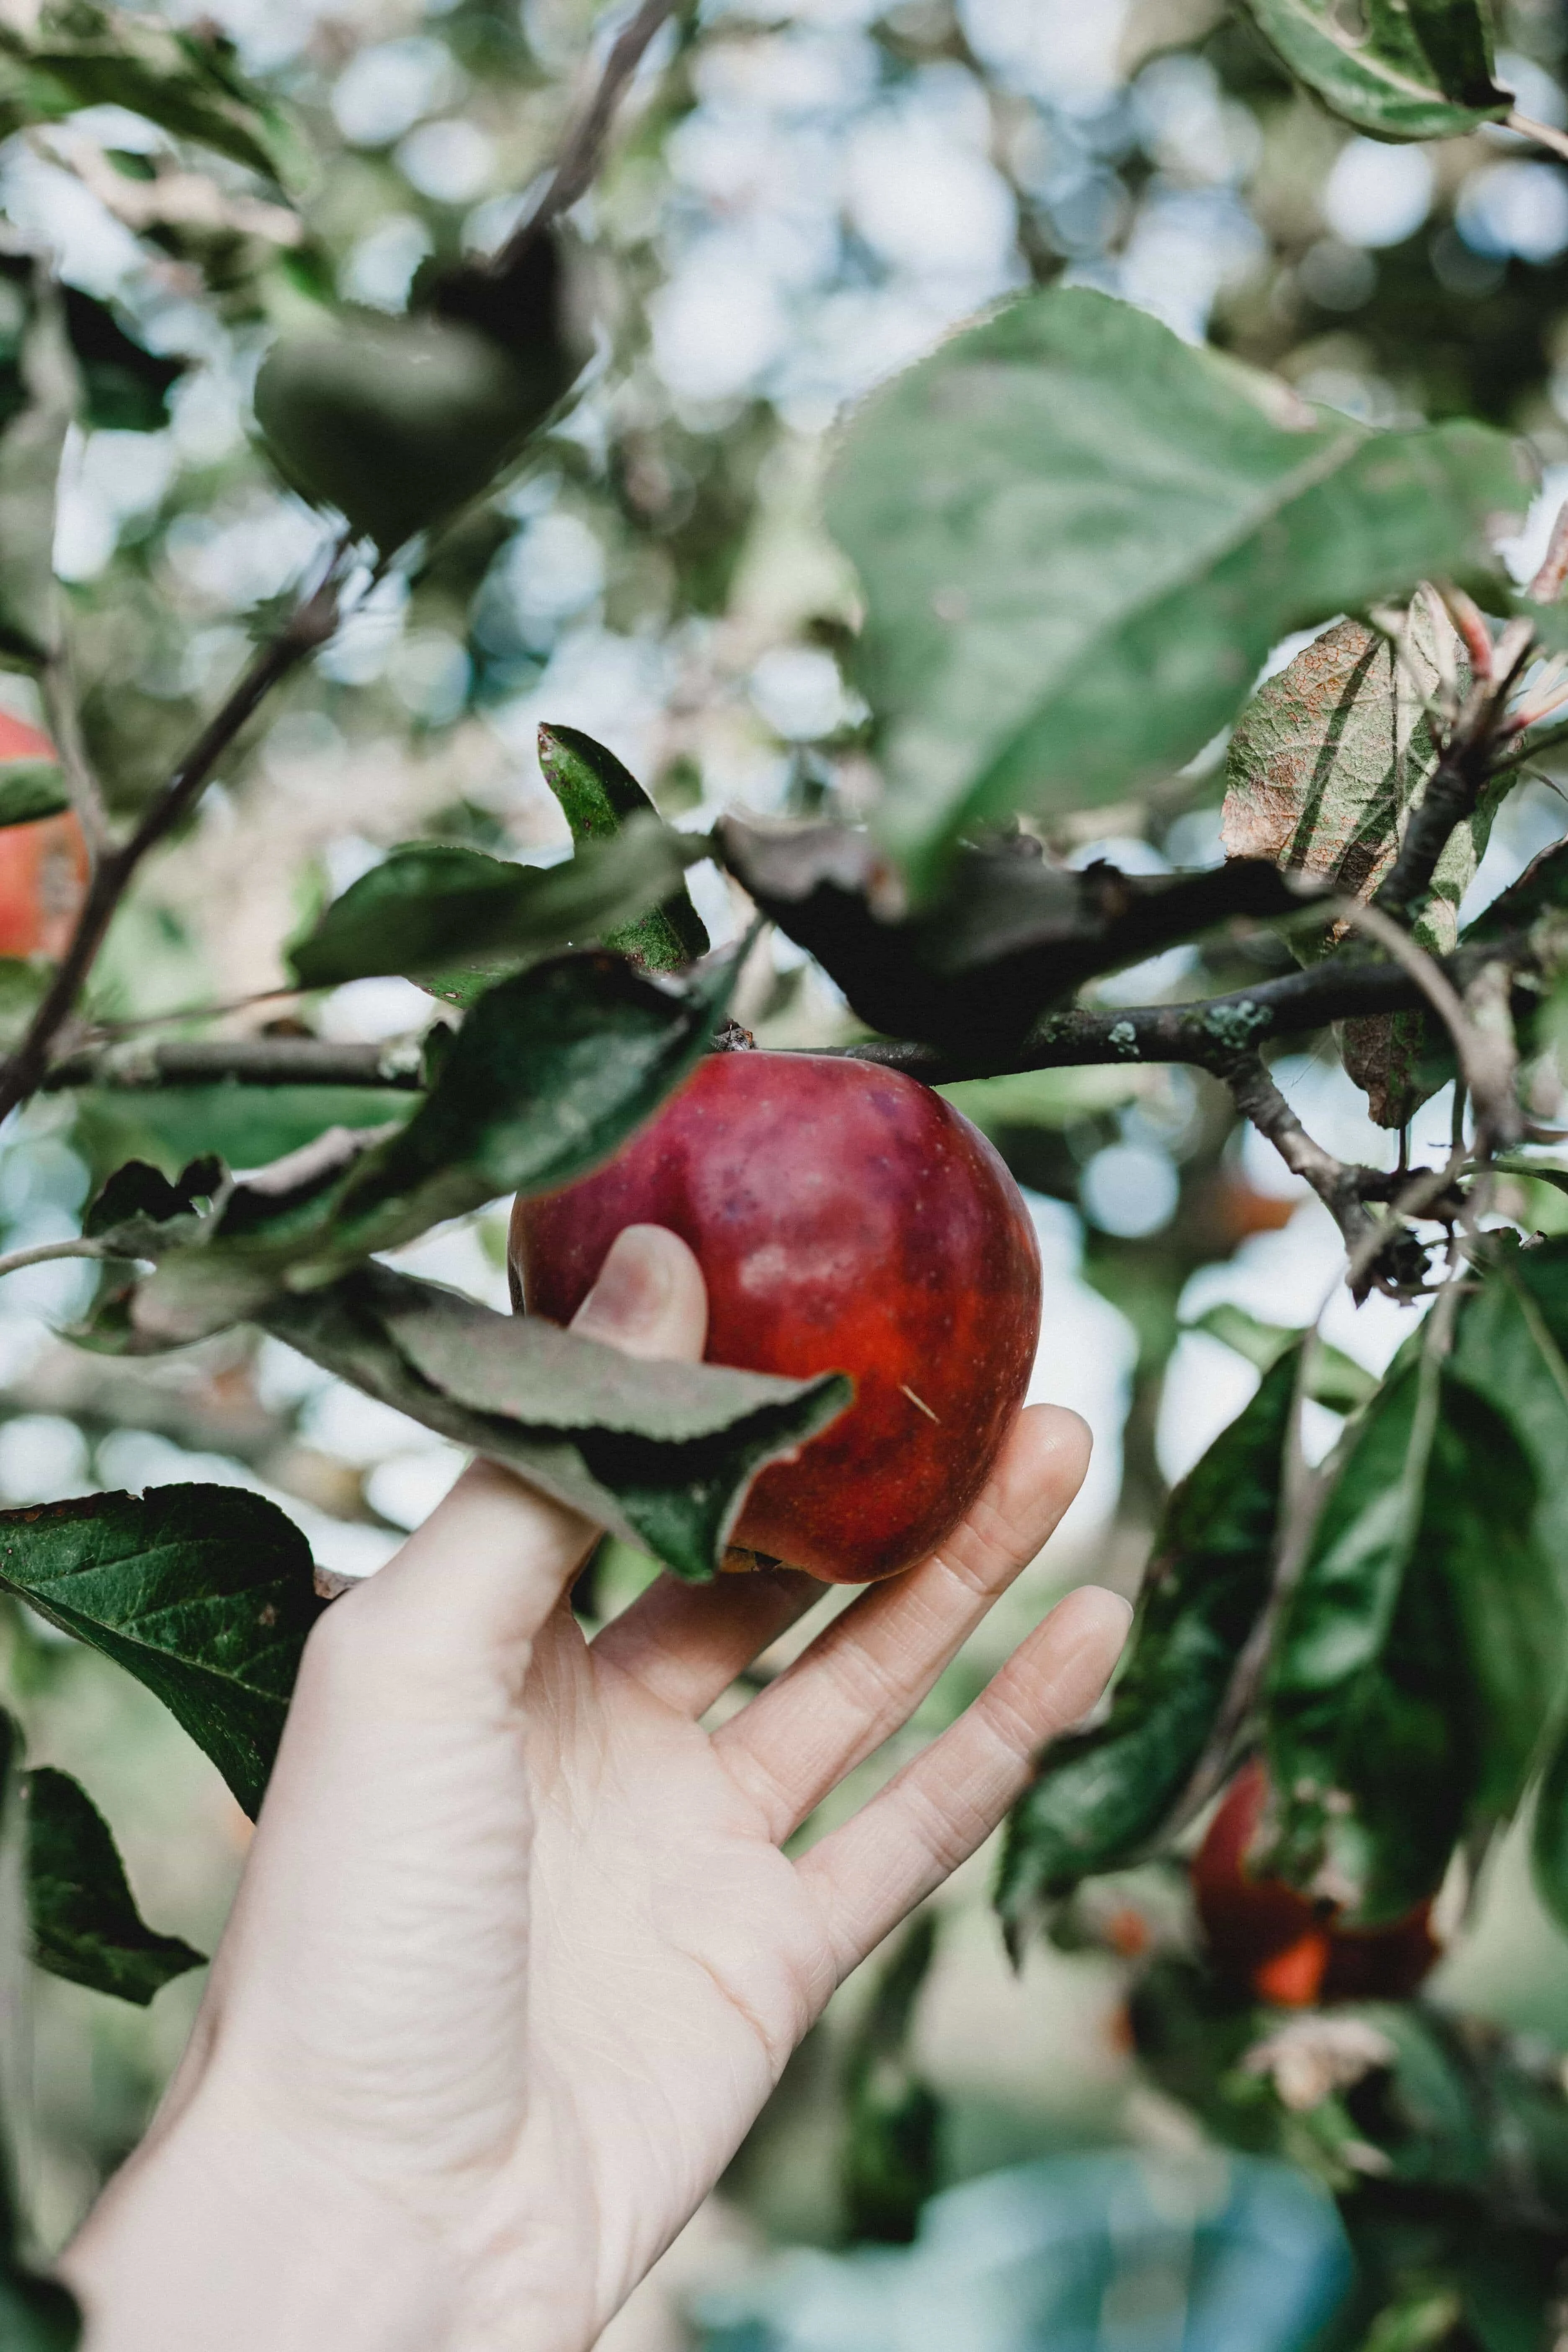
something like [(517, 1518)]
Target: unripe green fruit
[(396, 422)]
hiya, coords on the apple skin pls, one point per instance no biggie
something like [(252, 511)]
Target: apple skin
[(43, 865), (1265, 1937), (846, 1219)]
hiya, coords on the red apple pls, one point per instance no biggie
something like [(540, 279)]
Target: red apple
[(847, 1218), (1274, 1943), (43, 865)]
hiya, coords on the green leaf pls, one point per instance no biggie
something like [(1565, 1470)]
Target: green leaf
[(1510, 1349), (1104, 1795), (125, 387), (1078, 537), (1549, 1832), (31, 789), (1333, 1379), (396, 423), (892, 2117), (1418, 1658), (85, 1926), (659, 1453), (428, 908), (599, 797), (81, 55), (31, 448), (247, 1127), (203, 1593), (1407, 69), (549, 1073)]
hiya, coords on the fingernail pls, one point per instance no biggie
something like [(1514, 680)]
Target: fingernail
[(633, 1289)]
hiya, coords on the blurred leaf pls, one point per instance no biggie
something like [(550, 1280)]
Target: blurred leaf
[(85, 1926), (248, 1127), (1007, 936), (1078, 537), (31, 448), (203, 1593), (396, 422), (659, 1453), (426, 907), (81, 55), (549, 1073), (36, 2315), (30, 789), (125, 387), (892, 2115), (1333, 1379), (1418, 1656), (1103, 1796), (1410, 69), (1556, 1177), (138, 1205), (1508, 1347), (599, 797), (1549, 1834)]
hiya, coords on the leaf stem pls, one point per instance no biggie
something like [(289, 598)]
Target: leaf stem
[(40, 1253), (584, 148)]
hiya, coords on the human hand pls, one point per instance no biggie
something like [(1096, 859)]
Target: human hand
[(517, 1957)]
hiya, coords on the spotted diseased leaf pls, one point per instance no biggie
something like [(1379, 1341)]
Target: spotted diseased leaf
[(1103, 1797), (1417, 1663), (600, 799), (549, 1073), (1325, 765), (1078, 537), (1399, 69), (660, 1453), (458, 921), (84, 1923), (203, 1593)]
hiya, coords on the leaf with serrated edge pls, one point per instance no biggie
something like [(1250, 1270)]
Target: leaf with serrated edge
[(1103, 1796), (1078, 537), (1406, 74), (85, 1926), (203, 1593), (660, 1453)]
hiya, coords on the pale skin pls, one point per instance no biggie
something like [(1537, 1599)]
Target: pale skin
[(517, 1957)]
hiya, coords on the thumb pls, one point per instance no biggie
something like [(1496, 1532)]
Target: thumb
[(491, 1561)]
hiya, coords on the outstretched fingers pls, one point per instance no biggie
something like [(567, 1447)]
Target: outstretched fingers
[(866, 1672), (903, 1844)]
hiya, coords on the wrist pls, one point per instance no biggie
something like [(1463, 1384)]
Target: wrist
[(217, 2232)]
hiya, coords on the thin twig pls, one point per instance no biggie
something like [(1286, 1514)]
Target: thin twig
[(310, 626), (1487, 1060), (1257, 1099), (138, 1062), (12, 1261), (61, 709), (584, 149), (1544, 133)]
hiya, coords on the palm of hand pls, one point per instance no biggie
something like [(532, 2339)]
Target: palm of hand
[(517, 1956)]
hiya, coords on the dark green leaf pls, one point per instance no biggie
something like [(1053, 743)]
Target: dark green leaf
[(1549, 1834), (396, 422), (125, 386), (1333, 1379), (660, 1453), (599, 797), (85, 1922), (1509, 1348), (36, 2315), (138, 1203), (1418, 1659), (1007, 936), (30, 789), (203, 1593), (548, 1074), (1078, 537), (892, 2117), (1104, 1795), (428, 909), (1407, 69)]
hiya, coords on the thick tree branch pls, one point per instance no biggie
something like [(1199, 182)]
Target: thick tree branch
[(310, 626)]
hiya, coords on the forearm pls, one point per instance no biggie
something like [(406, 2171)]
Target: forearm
[(209, 2237)]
